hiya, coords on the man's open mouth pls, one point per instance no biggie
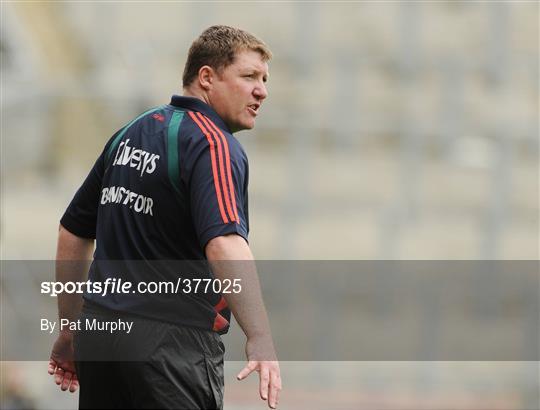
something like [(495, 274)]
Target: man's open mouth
[(254, 108)]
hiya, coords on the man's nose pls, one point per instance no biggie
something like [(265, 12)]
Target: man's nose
[(260, 91)]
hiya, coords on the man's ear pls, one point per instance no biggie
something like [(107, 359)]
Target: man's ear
[(206, 77)]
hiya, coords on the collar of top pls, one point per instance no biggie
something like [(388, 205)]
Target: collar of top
[(194, 104)]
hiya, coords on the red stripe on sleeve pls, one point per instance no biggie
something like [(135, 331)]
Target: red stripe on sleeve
[(221, 168), (214, 167), (228, 164)]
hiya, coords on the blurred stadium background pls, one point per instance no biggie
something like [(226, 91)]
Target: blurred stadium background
[(393, 130)]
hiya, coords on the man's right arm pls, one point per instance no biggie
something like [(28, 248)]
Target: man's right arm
[(231, 258), (73, 257), (76, 236)]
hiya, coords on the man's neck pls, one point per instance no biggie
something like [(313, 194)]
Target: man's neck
[(201, 95)]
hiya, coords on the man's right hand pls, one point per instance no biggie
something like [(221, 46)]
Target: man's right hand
[(73, 256), (61, 363), (269, 372)]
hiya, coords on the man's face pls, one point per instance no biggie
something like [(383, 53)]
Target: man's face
[(239, 90)]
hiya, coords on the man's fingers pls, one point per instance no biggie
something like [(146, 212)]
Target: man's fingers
[(52, 367), (264, 378), (59, 376), (67, 381), (275, 388), (74, 384), (246, 371)]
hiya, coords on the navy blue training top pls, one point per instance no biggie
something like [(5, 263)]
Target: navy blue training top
[(163, 187)]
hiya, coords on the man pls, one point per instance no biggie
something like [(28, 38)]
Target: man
[(170, 185)]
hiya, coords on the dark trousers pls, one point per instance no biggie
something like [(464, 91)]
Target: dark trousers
[(156, 366)]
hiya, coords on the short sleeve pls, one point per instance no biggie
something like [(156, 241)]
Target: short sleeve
[(80, 217), (218, 197)]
